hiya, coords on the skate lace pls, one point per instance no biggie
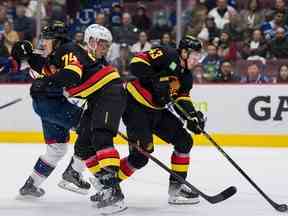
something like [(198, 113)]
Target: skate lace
[(79, 177), (186, 190)]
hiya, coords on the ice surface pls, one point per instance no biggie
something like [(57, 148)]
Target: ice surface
[(146, 192)]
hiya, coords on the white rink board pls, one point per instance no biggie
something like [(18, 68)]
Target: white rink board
[(226, 107)]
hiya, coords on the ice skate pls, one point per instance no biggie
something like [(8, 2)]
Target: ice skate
[(30, 191), (73, 181), (180, 194), (95, 182), (109, 199)]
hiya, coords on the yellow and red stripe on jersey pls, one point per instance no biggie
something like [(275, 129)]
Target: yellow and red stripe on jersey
[(95, 82), (108, 157), (141, 57), (180, 162), (93, 164), (75, 67), (126, 169), (142, 95)]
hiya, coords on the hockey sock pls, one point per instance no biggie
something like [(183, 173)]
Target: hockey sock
[(42, 170), (126, 169), (77, 164), (93, 165), (108, 157), (180, 164)]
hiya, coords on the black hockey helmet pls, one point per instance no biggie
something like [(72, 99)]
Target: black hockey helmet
[(55, 30), (190, 43)]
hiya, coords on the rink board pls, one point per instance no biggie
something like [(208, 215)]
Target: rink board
[(238, 115)]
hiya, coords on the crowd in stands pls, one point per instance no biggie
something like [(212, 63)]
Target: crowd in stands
[(243, 41)]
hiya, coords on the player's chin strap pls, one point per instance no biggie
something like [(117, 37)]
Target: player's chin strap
[(170, 106)]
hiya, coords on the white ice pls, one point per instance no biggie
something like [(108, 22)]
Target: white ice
[(146, 192)]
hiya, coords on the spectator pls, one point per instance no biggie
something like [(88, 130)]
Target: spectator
[(226, 73), (252, 17), (122, 62), (254, 75), (227, 48), (5, 62), (281, 6), (194, 11), (3, 49), (3, 18), (269, 28), (257, 46), (141, 19), (209, 31), (142, 45), (32, 8), (115, 17), (282, 76), (278, 48), (127, 33), (10, 9), (235, 28), (222, 13), (79, 38), (166, 41), (10, 36), (160, 26), (113, 52), (210, 4), (198, 74), (23, 25), (100, 19), (211, 63)]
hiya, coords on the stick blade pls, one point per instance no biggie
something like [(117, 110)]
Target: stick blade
[(282, 208), (227, 193)]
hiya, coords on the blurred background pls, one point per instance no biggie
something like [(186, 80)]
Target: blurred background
[(244, 41)]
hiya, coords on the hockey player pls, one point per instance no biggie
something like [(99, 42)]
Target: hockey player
[(57, 114), (102, 87), (99, 53), (100, 121), (162, 73)]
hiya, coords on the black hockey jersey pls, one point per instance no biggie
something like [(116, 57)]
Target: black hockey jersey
[(77, 71), (159, 64)]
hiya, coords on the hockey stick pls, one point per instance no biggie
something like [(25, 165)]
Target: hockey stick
[(10, 103), (212, 199), (278, 207)]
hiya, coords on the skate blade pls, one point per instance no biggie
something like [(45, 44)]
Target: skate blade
[(71, 187), (113, 209), (176, 201), (27, 197), (95, 183)]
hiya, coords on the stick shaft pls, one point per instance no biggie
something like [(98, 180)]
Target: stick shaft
[(266, 197)]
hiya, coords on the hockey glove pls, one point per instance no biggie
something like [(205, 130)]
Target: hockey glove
[(22, 50), (197, 124), (161, 92), (45, 88)]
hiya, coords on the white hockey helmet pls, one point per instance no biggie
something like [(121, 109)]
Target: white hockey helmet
[(96, 32)]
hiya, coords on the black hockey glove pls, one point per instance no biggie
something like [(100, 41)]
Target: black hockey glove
[(22, 50), (45, 88), (197, 123), (161, 92)]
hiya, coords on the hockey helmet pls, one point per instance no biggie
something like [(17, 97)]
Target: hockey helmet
[(190, 43), (97, 32)]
